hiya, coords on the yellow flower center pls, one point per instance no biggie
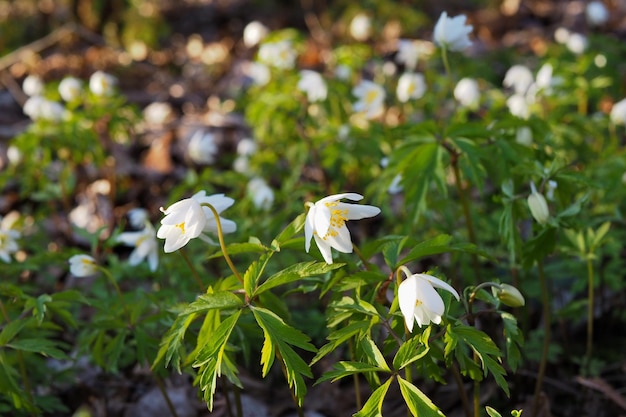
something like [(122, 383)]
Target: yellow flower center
[(181, 226), (371, 96), (338, 219)]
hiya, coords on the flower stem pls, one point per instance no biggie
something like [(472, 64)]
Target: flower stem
[(355, 377), (590, 315), (220, 236), (446, 64), (193, 270), (545, 300), (361, 257)]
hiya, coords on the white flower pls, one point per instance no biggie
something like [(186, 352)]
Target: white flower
[(552, 186), (279, 54), (538, 205), (83, 265), (246, 147), (576, 43), (253, 33), (519, 77), (70, 88), (326, 223), (371, 98), (262, 194), (518, 106), (452, 33), (102, 84), (188, 219), (544, 80), (202, 147), (145, 244), (259, 73), (343, 72), (40, 108), (524, 136), (33, 86), (313, 85), (597, 14), (137, 217), (419, 301), (241, 164), (360, 27), (618, 112), (408, 53), (561, 35), (467, 93), (8, 236), (410, 86), (158, 113)]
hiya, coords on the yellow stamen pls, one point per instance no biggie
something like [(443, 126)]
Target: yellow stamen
[(181, 226)]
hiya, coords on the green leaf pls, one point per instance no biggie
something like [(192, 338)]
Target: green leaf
[(279, 337), (238, 248), (296, 272), (346, 368), (44, 347), (293, 228), (11, 330), (210, 357), (340, 336), (373, 406), (216, 301), (410, 351), (539, 246), (374, 354), (419, 404), (391, 251), (513, 338), (492, 412), (173, 342)]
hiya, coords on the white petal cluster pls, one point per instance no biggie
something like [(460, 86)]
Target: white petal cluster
[(145, 244), (40, 108), (313, 85), (409, 52), (254, 33), (33, 86), (137, 217), (70, 88), (518, 77), (279, 54), (596, 12), (371, 99), (410, 86), (419, 301), (202, 147), (102, 84), (618, 112), (452, 32), (8, 236), (188, 219), (326, 223), (83, 265), (261, 193), (361, 27), (467, 93)]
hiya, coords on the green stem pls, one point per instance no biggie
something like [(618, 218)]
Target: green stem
[(446, 64), (355, 377), (361, 257), (161, 386), (220, 236), (590, 307), (545, 300), (459, 381), (476, 393), (119, 294), (193, 270), (299, 409)]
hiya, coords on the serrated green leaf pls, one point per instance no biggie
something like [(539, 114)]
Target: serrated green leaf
[(513, 338), (539, 246), (296, 272), (410, 351), (419, 404), (436, 245), (44, 347), (346, 368), (294, 227), (213, 301), (239, 248), (373, 406), (340, 336), (374, 354), (10, 330), (173, 342)]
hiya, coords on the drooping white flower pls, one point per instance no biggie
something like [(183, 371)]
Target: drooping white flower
[(361, 27), (326, 223), (102, 84), (419, 301), (261, 193), (202, 147), (518, 77), (410, 86), (538, 205), (408, 53), (8, 236), (137, 217), (83, 265), (254, 33), (145, 244), (576, 43), (518, 106), (33, 86), (259, 73), (452, 33), (312, 83), (279, 54), (371, 98), (188, 219), (70, 88), (40, 108), (597, 14), (618, 112), (467, 93)]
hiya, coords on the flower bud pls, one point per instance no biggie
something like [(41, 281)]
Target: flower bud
[(538, 205), (510, 296)]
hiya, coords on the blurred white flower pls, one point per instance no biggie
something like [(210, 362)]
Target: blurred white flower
[(419, 301), (467, 93), (618, 112), (552, 186), (524, 136), (361, 27), (396, 185), (241, 164), (202, 148), (408, 53), (137, 217), (343, 72), (518, 77), (14, 154), (561, 35), (452, 33), (279, 54), (259, 73), (33, 86), (254, 33), (312, 83), (83, 265), (262, 194), (8, 236), (410, 86), (246, 147), (596, 12), (158, 113), (102, 84), (538, 205), (371, 99), (576, 43), (70, 88), (188, 219), (518, 106), (40, 108), (145, 244), (544, 80), (326, 223)]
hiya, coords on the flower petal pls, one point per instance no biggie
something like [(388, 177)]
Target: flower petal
[(436, 282), (324, 249), (407, 297), (358, 211), (341, 241), (309, 227)]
